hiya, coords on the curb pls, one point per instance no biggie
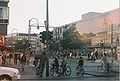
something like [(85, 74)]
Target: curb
[(52, 78), (101, 75)]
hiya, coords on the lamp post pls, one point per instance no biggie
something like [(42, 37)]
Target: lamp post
[(47, 29), (111, 25), (29, 28), (29, 31)]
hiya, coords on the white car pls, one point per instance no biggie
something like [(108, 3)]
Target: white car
[(7, 73)]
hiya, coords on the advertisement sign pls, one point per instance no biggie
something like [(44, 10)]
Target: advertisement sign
[(2, 40)]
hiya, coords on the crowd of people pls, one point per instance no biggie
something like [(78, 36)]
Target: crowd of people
[(22, 57), (8, 57)]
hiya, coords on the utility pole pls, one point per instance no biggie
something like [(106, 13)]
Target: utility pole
[(29, 31), (112, 40), (47, 29)]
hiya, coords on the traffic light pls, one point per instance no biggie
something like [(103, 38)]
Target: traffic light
[(43, 36), (50, 35)]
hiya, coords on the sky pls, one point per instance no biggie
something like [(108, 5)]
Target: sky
[(61, 12)]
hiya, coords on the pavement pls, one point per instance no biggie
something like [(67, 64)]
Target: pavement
[(29, 72)]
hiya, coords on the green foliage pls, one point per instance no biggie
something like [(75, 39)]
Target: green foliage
[(20, 45), (71, 38)]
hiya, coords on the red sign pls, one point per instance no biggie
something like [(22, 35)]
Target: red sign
[(2, 40)]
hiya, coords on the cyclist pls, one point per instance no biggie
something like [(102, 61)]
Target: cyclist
[(56, 64), (63, 64), (105, 62), (80, 62), (79, 68)]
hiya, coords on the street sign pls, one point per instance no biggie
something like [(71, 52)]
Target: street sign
[(2, 40)]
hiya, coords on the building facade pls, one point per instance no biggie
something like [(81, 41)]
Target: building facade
[(20, 36), (4, 17), (95, 27)]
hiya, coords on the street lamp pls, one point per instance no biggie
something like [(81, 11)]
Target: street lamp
[(106, 22), (29, 31), (29, 28)]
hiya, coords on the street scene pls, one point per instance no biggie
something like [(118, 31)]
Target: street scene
[(61, 40), (91, 71)]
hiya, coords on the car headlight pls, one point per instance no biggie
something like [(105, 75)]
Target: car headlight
[(16, 74)]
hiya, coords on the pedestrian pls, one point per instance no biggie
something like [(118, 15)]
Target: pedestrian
[(96, 54), (16, 58), (43, 59), (23, 60), (3, 59), (10, 57), (35, 62)]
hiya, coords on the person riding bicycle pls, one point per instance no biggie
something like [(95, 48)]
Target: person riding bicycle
[(56, 64), (80, 62), (63, 64), (105, 62), (79, 68)]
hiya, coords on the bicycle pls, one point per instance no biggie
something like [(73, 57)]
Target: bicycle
[(67, 71), (54, 70), (79, 70), (101, 68), (112, 68)]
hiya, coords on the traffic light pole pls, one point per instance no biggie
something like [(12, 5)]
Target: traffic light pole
[(47, 40)]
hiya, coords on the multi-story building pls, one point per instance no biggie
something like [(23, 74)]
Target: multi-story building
[(95, 27), (20, 36), (58, 32), (4, 16)]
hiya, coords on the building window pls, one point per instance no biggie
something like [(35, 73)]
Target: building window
[(1, 12), (4, 4), (5, 21), (1, 21), (4, 12)]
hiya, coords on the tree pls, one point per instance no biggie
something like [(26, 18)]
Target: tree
[(21, 44), (71, 38)]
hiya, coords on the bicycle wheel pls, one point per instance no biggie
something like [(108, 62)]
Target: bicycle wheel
[(100, 69), (51, 71), (81, 71), (68, 71), (59, 72), (37, 71), (112, 68)]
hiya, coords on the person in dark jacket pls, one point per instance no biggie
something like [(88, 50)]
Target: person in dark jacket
[(43, 59), (80, 62), (23, 61), (56, 64)]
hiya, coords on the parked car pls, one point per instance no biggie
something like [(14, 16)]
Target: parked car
[(8, 73)]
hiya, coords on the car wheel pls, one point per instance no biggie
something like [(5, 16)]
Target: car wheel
[(5, 78)]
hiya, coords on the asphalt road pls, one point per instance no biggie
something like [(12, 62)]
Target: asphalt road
[(91, 74)]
